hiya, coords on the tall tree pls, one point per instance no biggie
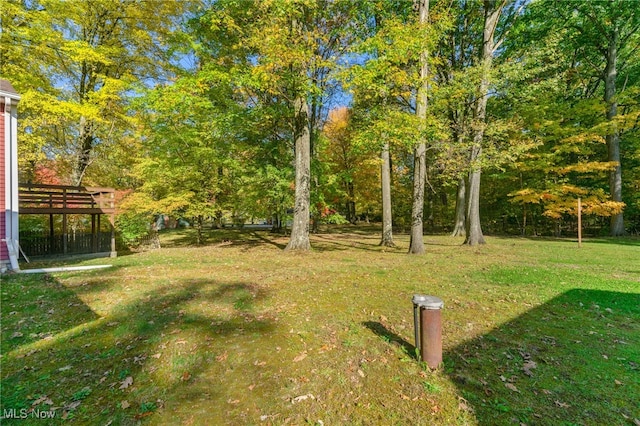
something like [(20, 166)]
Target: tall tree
[(457, 56), (342, 158), (416, 244), (295, 60), (385, 181), (86, 55), (299, 239), (374, 83), (492, 11), (606, 31), (386, 89), (586, 112)]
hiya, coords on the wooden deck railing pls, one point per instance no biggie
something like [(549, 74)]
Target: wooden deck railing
[(57, 199)]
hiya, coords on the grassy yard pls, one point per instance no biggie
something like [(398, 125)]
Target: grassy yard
[(536, 332)]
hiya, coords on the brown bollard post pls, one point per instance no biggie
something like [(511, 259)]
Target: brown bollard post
[(417, 300), (431, 331)]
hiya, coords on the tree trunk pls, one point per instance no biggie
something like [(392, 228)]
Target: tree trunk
[(416, 245), (474, 230), (299, 239), (315, 223), (492, 13), (387, 220), (83, 156), (351, 204), (460, 230), (198, 221), (613, 137), (276, 223)]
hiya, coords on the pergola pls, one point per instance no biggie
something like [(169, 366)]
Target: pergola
[(51, 200)]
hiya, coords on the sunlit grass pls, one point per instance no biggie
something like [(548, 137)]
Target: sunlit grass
[(240, 332)]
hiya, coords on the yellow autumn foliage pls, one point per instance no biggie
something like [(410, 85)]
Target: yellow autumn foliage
[(589, 167)]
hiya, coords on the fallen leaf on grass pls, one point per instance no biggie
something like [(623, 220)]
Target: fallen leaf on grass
[(511, 386), (139, 359), (267, 417), (618, 382), (233, 402), (528, 366), (31, 352), (42, 399), (185, 376), (69, 408), (126, 383), (463, 404), (124, 405), (562, 404), (222, 357), (302, 398), (326, 348), (143, 415), (300, 357)]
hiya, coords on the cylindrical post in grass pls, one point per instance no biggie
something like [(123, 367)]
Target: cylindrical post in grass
[(431, 331), (417, 301)]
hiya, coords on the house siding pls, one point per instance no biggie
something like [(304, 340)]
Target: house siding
[(4, 255)]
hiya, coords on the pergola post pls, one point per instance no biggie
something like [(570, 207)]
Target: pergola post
[(94, 234), (65, 237), (112, 222), (52, 235)]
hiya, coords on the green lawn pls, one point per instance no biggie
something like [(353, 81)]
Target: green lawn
[(239, 332)]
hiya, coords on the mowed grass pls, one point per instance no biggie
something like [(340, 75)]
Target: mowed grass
[(240, 332)]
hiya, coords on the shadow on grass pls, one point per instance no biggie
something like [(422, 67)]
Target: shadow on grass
[(166, 340), (573, 360), (391, 337), (624, 241), (258, 236), (36, 307), (344, 242), (330, 239), (226, 237)]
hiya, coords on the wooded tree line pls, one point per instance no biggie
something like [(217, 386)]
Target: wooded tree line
[(456, 115)]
